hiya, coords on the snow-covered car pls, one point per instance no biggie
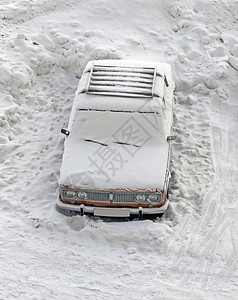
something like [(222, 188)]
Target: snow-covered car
[(118, 141)]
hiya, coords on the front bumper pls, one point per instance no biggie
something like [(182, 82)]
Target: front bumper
[(109, 211)]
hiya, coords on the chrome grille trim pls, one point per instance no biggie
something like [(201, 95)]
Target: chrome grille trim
[(98, 196), (117, 197), (124, 197)]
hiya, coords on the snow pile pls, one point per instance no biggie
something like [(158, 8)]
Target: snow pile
[(192, 250)]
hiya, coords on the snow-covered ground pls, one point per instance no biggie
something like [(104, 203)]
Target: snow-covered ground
[(191, 253)]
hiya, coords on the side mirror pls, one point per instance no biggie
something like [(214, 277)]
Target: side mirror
[(171, 138), (64, 131), (166, 81)]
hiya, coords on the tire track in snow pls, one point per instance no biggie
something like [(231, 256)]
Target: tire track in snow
[(208, 247), (224, 143), (199, 254)]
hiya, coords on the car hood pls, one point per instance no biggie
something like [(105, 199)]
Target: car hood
[(115, 150)]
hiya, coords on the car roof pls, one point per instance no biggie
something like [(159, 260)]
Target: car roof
[(121, 80), (118, 89)]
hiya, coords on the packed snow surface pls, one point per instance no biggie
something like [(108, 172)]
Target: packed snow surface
[(191, 252)]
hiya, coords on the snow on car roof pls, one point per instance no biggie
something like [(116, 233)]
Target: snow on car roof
[(93, 102), (106, 100), (115, 150)]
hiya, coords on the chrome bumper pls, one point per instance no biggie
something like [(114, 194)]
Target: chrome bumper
[(109, 211)]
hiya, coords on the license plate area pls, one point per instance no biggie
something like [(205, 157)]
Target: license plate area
[(111, 212)]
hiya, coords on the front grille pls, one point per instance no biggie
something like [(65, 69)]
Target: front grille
[(124, 198), (117, 197), (98, 196)]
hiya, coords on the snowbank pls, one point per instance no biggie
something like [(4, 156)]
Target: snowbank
[(192, 250)]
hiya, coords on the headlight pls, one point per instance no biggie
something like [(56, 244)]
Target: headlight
[(82, 195), (70, 194), (140, 198), (154, 198)]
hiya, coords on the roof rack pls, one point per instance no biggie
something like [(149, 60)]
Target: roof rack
[(122, 81)]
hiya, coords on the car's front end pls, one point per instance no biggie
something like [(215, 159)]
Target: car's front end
[(111, 203)]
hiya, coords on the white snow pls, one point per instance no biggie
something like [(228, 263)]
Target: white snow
[(115, 150), (191, 253)]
